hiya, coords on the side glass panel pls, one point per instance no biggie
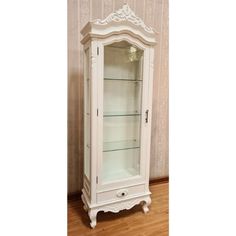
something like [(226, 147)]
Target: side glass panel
[(87, 130), (123, 72)]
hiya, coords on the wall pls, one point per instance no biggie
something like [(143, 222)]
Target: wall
[(155, 14)]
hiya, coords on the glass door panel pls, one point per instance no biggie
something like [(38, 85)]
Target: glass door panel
[(121, 111)]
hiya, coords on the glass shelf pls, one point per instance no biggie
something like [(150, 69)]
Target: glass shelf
[(117, 113), (120, 145), (129, 80)]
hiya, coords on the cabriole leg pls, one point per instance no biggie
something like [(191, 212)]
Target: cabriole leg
[(93, 217), (146, 204)]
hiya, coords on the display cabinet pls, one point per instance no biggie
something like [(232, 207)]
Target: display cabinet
[(118, 78)]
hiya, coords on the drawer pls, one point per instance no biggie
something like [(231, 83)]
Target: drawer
[(121, 193)]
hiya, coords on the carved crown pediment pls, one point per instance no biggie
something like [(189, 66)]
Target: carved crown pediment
[(124, 21), (124, 14)]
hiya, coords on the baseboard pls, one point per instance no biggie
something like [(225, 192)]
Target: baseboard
[(76, 195), (160, 180)]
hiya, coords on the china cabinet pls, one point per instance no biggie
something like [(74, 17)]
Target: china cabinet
[(118, 78)]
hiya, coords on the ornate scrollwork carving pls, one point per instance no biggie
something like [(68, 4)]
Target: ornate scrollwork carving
[(125, 14), (116, 207)]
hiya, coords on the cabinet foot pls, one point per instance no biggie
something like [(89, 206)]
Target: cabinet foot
[(146, 204), (93, 218), (127, 204)]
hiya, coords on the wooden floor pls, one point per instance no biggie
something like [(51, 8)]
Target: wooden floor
[(126, 222)]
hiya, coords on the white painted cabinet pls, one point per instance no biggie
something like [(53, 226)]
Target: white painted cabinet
[(118, 78)]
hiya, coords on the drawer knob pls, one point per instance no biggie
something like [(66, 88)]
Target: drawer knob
[(122, 193)]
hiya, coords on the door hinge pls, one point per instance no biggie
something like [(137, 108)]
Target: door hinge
[(97, 179), (97, 112), (146, 119), (97, 50)]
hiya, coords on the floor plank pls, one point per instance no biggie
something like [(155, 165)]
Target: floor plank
[(126, 222)]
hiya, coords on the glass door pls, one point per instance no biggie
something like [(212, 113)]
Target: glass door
[(122, 99)]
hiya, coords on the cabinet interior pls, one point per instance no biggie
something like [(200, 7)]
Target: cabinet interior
[(122, 99)]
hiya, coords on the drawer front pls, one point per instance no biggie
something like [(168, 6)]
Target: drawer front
[(121, 193)]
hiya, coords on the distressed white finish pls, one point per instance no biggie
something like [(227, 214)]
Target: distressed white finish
[(120, 26)]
